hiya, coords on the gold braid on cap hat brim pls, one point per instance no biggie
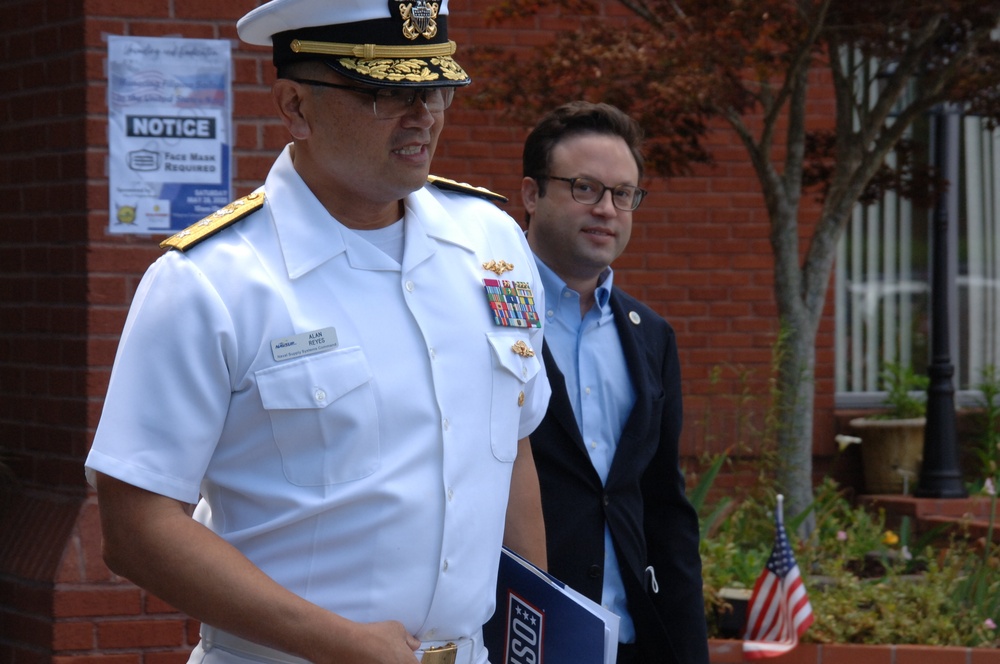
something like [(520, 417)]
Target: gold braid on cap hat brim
[(373, 51)]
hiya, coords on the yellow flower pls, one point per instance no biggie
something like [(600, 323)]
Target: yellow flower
[(890, 538)]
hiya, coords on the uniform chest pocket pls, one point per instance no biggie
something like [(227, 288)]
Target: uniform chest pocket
[(515, 363), (323, 417)]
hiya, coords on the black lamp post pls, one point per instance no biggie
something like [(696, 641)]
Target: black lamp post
[(940, 474)]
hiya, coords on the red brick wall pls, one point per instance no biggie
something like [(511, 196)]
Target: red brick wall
[(44, 242), (43, 290), (699, 255)]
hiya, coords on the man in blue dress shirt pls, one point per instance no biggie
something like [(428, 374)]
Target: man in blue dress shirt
[(618, 524)]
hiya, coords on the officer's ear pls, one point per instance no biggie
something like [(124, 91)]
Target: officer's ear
[(289, 97)]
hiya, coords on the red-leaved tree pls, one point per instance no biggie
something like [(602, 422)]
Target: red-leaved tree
[(676, 65)]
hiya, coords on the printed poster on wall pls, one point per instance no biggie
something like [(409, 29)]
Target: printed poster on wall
[(169, 132)]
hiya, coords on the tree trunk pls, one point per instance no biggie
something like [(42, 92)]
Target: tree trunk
[(799, 310), (795, 396)]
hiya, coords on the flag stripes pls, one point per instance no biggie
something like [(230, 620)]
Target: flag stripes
[(779, 611)]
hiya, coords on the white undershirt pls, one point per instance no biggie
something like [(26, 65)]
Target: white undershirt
[(389, 239)]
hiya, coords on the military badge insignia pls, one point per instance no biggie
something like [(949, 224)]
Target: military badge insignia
[(419, 19), (498, 267), (522, 349)]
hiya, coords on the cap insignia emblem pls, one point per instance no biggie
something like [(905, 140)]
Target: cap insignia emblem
[(419, 19)]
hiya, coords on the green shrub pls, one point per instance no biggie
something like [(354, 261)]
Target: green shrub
[(867, 584)]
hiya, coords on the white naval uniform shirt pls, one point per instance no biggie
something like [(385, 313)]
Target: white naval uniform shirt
[(370, 479)]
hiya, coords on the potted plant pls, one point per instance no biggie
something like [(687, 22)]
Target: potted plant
[(892, 442)]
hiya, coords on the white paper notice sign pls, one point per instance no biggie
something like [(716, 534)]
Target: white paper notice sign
[(169, 129)]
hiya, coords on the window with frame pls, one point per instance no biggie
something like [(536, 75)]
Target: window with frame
[(883, 274)]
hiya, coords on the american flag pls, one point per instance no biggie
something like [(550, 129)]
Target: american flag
[(779, 611)]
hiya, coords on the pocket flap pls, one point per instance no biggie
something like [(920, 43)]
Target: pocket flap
[(313, 382), (505, 349)]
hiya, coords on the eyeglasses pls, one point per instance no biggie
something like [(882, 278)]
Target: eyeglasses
[(390, 103), (590, 192)]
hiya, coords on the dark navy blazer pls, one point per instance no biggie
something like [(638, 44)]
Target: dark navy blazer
[(651, 521)]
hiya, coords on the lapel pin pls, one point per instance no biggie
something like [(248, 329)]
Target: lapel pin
[(634, 317)]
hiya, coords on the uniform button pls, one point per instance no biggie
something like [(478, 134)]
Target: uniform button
[(524, 373), (410, 286), (607, 500), (320, 395), (594, 572), (520, 399)]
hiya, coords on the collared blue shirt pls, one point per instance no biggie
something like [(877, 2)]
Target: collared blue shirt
[(589, 353)]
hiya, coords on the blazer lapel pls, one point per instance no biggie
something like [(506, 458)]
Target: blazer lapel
[(559, 405), (630, 334)]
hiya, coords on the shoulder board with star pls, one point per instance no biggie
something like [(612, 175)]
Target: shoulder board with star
[(215, 222), (465, 188)]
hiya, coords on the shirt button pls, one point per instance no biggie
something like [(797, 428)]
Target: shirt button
[(550, 313), (433, 354), (586, 390), (320, 395), (593, 444), (607, 500), (451, 495), (444, 567), (410, 286), (567, 294), (446, 424)]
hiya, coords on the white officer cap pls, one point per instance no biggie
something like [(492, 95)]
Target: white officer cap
[(402, 43)]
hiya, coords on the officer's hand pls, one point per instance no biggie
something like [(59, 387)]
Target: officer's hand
[(381, 643)]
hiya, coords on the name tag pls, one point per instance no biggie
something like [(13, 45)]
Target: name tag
[(304, 344)]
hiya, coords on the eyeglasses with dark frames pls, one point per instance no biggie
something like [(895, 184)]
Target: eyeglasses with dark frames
[(390, 103), (590, 192)]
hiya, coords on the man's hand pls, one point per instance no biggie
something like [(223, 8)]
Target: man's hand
[(375, 643)]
